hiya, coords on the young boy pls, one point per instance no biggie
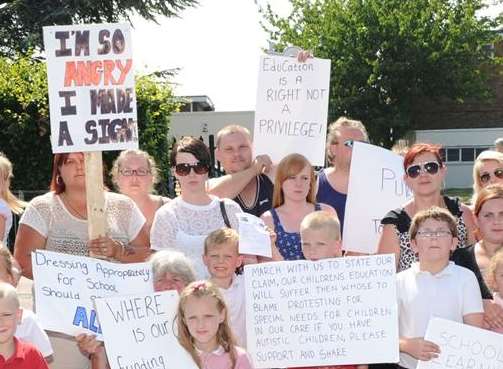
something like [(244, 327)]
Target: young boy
[(320, 234), (14, 353), (433, 287), (28, 329), (222, 259)]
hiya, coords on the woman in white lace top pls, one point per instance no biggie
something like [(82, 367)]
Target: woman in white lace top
[(184, 222), (57, 221)]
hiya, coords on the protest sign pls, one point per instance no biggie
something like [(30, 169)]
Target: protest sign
[(92, 97), (291, 109), (66, 287), (139, 331), (317, 313), (463, 346), (253, 236), (375, 187)]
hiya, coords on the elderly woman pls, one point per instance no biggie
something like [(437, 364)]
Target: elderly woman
[(487, 170), (424, 174), (134, 173), (57, 221), (184, 222), (293, 199), (172, 270)]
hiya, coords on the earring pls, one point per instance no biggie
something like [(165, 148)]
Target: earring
[(59, 180)]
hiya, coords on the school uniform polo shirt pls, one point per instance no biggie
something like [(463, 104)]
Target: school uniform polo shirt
[(26, 356), (450, 294)]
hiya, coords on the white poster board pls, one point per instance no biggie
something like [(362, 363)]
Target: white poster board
[(92, 97), (291, 109), (328, 312), (139, 332), (375, 187), (254, 239), (66, 286), (463, 346)]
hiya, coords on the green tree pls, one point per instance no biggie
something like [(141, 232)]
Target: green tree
[(24, 120), (389, 55), (22, 20)]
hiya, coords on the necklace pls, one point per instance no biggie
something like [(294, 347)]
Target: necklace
[(67, 202)]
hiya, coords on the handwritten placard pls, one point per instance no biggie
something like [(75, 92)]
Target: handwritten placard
[(139, 331), (291, 109), (463, 346), (254, 239), (382, 190), (329, 312), (66, 287), (92, 97)]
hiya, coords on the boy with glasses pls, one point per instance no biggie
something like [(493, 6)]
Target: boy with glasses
[(433, 286)]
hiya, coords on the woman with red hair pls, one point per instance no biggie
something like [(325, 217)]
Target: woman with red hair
[(424, 174)]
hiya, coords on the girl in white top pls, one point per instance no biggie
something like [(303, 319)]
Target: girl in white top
[(185, 222), (8, 202)]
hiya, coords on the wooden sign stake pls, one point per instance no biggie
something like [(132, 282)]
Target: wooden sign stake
[(95, 196)]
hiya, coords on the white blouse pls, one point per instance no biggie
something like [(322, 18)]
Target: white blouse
[(68, 234), (183, 226)]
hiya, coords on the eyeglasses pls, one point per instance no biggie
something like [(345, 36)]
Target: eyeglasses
[(434, 234), (140, 172), (183, 169), (486, 177), (430, 167)]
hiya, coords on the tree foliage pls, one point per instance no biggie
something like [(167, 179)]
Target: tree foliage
[(388, 55), (22, 20), (24, 120)]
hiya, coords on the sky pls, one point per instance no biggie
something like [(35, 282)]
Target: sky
[(217, 46)]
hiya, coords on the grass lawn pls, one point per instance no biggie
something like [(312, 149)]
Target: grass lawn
[(465, 194)]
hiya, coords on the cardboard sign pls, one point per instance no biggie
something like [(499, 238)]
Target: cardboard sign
[(92, 97), (329, 312), (463, 346), (66, 287), (139, 331), (375, 187), (291, 110)]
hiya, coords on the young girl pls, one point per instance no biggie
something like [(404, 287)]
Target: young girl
[(203, 329), (495, 280), (8, 202)]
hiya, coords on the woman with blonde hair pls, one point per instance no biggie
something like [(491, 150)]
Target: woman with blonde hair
[(134, 173), (293, 198), (8, 202), (487, 170)]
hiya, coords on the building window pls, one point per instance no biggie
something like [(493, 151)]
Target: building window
[(452, 155), (462, 154), (468, 154)]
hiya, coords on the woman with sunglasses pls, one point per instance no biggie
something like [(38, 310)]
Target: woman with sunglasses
[(184, 222), (134, 173), (424, 174), (293, 198), (487, 170), (333, 181), (488, 210)]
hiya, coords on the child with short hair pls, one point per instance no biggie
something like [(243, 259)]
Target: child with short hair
[(15, 353), (222, 259), (320, 234), (495, 280), (204, 331), (28, 329), (433, 286)]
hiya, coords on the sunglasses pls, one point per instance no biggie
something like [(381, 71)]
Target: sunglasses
[(486, 177), (434, 234), (430, 167), (183, 169)]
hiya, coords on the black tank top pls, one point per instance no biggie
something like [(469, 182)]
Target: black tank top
[(263, 197)]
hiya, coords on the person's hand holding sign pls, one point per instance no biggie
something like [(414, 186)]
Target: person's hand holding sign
[(263, 164), (419, 348), (104, 247)]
